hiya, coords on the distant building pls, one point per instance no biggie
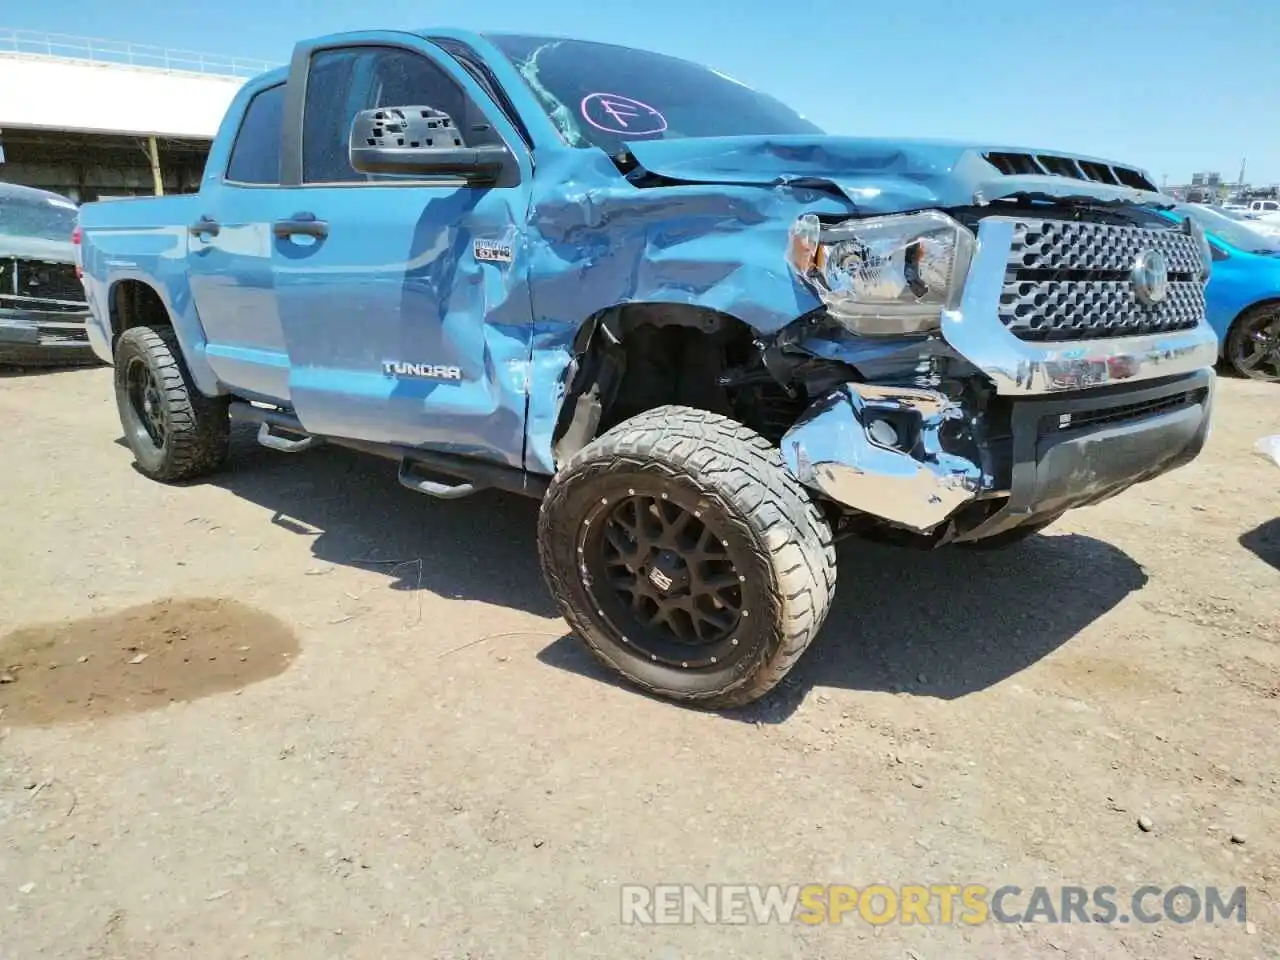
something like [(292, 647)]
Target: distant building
[(92, 118)]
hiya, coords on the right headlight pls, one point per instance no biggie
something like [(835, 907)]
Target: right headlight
[(885, 276)]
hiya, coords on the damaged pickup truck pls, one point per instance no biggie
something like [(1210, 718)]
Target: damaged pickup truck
[(710, 337)]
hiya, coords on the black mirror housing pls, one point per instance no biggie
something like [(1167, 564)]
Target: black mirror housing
[(420, 140)]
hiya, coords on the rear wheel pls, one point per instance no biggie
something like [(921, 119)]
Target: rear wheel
[(174, 431), (1253, 344), (687, 557)]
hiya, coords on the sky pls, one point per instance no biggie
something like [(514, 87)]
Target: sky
[(1173, 86)]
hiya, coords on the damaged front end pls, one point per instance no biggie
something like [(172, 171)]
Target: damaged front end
[(883, 451), (1049, 377)]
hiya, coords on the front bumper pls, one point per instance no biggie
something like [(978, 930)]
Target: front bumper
[(1026, 459), (44, 337)]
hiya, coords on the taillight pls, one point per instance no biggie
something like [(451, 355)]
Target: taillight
[(75, 239)]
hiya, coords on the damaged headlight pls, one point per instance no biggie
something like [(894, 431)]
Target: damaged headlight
[(884, 276)]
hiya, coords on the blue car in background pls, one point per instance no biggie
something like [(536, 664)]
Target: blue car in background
[(1243, 294)]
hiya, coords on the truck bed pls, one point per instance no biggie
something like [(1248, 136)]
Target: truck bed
[(140, 239)]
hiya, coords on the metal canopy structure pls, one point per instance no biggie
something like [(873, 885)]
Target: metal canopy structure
[(91, 118)]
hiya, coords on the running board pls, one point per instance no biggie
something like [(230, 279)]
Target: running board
[(274, 441), (269, 422), (409, 477), (472, 473)]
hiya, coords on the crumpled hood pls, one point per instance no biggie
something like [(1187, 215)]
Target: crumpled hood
[(880, 175)]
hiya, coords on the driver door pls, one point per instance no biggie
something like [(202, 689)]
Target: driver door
[(396, 331)]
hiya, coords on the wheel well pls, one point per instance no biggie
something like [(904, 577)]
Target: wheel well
[(1254, 307), (136, 304), (1224, 347), (635, 357)]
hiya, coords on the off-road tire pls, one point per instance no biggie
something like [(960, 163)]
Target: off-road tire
[(1010, 538), (736, 482), (1239, 330), (198, 428)]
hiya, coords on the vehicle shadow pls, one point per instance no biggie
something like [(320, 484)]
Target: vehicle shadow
[(356, 514), (1263, 541), (943, 624)]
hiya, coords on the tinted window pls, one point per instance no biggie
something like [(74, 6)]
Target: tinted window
[(255, 156), (603, 95), (342, 82)]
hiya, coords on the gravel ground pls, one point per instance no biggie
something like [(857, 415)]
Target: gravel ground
[(299, 711)]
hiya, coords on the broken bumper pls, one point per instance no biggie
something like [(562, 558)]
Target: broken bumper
[(36, 336), (915, 459), (838, 449)]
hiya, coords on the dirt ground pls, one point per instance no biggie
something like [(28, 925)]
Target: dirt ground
[(299, 711)]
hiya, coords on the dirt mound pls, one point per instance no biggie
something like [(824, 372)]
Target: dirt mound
[(136, 659)]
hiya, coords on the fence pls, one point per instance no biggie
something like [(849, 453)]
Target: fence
[(94, 50)]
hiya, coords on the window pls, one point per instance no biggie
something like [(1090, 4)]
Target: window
[(601, 95), (255, 156), (342, 82)]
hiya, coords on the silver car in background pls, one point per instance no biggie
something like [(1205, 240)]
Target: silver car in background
[(42, 301)]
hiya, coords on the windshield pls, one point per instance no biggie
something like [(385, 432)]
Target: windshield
[(36, 215), (602, 95), (1235, 232)]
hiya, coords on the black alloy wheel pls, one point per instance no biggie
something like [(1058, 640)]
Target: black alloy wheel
[(150, 419), (687, 557), (1253, 346), (665, 580)]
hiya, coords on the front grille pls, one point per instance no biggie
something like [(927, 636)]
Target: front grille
[(40, 285), (1068, 280), (1121, 414), (48, 281)]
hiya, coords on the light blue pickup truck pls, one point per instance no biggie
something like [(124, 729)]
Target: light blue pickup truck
[(710, 337)]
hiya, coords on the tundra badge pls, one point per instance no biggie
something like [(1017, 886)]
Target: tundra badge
[(421, 371)]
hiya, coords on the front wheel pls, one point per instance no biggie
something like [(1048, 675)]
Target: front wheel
[(687, 557), (174, 431), (1253, 343)]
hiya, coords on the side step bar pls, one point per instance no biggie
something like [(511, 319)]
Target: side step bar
[(473, 475), (408, 477), (269, 421)]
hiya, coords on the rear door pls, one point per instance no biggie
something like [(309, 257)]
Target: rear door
[(396, 332), (229, 251)]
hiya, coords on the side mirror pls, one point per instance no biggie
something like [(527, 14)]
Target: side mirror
[(420, 140)]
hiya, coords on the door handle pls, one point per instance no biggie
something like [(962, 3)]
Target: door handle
[(304, 223), (205, 224)]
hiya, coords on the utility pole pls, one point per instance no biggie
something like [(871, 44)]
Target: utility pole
[(1243, 161), (153, 152)]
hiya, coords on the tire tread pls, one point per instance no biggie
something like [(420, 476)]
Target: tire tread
[(736, 466), (199, 426)]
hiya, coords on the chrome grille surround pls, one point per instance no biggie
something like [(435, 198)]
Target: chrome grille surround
[(1068, 280), (1021, 366)]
